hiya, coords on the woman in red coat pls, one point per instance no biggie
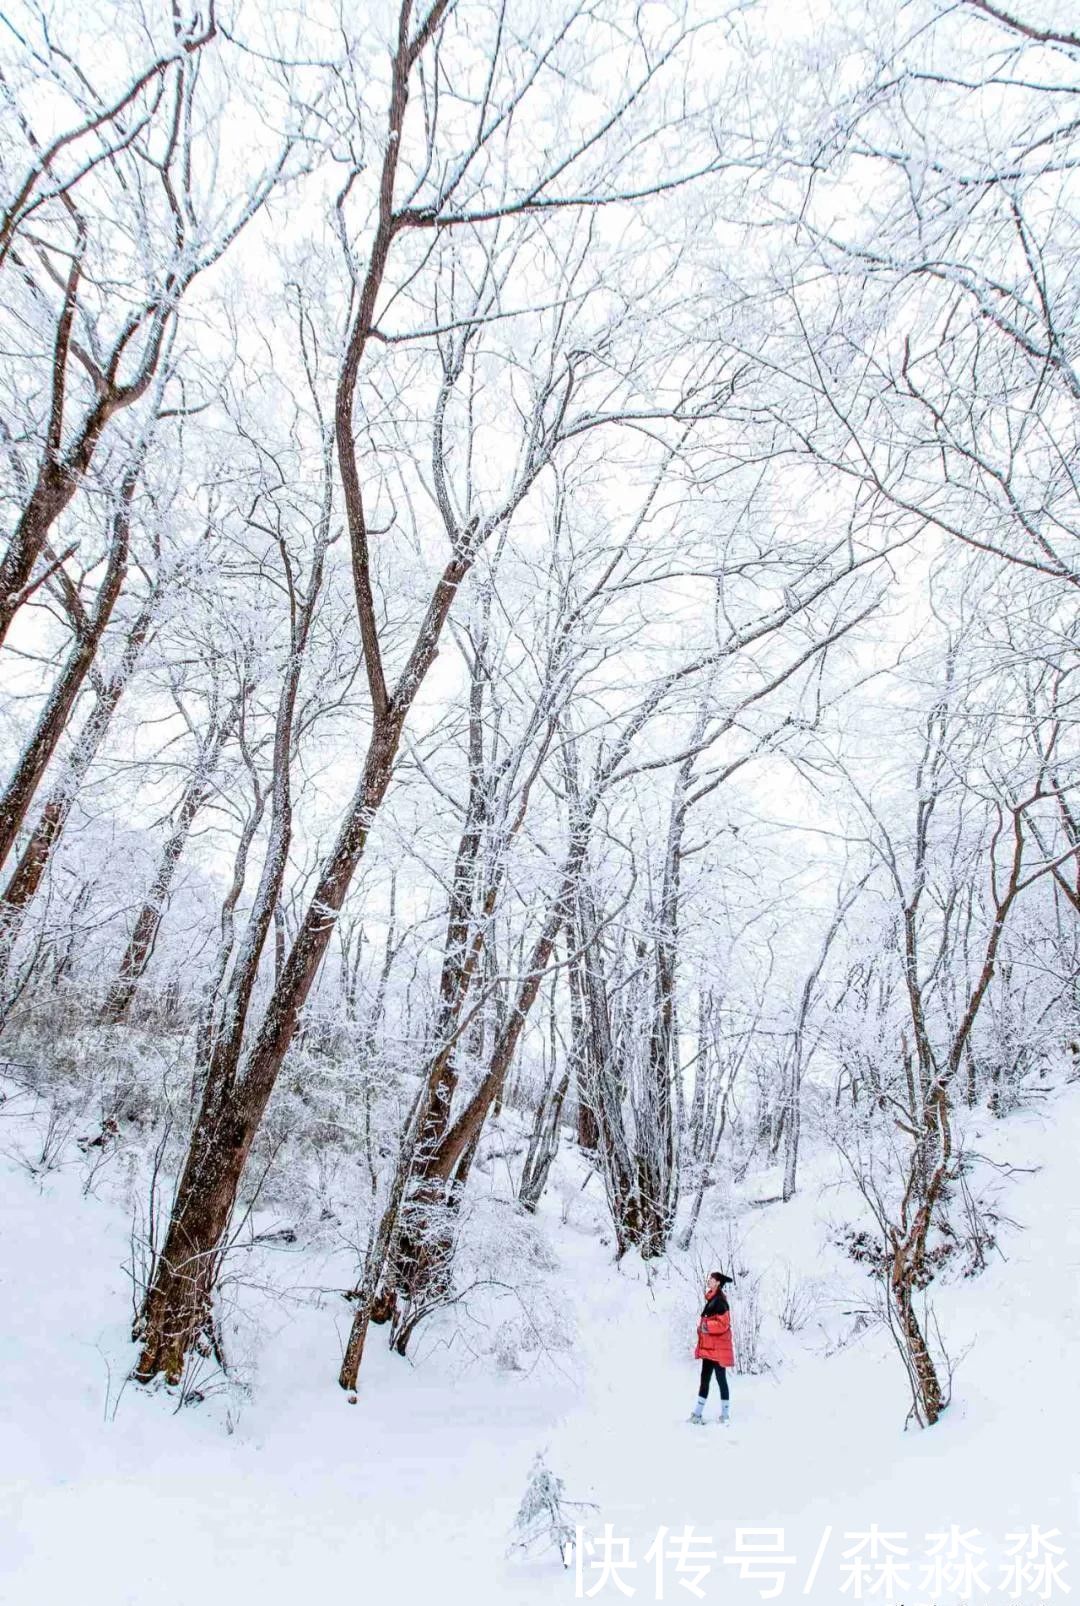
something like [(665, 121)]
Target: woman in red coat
[(714, 1349)]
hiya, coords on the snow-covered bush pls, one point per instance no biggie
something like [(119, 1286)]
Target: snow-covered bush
[(798, 1299), (752, 1353), (546, 1519)]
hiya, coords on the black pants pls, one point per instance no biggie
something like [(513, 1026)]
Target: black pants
[(707, 1370)]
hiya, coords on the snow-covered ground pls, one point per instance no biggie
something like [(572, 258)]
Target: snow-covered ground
[(111, 1497)]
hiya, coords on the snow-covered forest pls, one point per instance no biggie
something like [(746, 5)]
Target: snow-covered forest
[(539, 720)]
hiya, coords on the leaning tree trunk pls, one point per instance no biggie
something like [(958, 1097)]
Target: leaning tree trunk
[(53, 720), (603, 1077), (63, 465), (797, 1065), (907, 1269), (658, 1169), (27, 876), (177, 1313), (588, 1136), (415, 1258), (420, 1237), (409, 1233), (144, 935), (59, 477), (931, 1161), (543, 1143), (926, 1386), (143, 939), (547, 1120)]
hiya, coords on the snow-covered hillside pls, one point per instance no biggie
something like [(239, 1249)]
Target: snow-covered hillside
[(113, 1496)]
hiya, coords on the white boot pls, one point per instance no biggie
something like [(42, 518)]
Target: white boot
[(725, 1410), (695, 1415)]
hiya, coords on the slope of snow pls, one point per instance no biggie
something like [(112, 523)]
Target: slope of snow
[(111, 1498)]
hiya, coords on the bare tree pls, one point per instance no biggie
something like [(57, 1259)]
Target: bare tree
[(113, 195), (942, 1004), (89, 628)]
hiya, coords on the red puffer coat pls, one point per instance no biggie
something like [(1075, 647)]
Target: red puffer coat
[(714, 1334)]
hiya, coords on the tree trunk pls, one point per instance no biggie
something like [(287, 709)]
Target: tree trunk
[(543, 1143), (794, 1124), (177, 1313), (588, 1136), (143, 939), (26, 878), (53, 720), (926, 1386)]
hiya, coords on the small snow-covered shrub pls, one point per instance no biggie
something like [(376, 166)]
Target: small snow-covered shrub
[(799, 1297), (45, 1138), (747, 1323), (546, 1519)]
